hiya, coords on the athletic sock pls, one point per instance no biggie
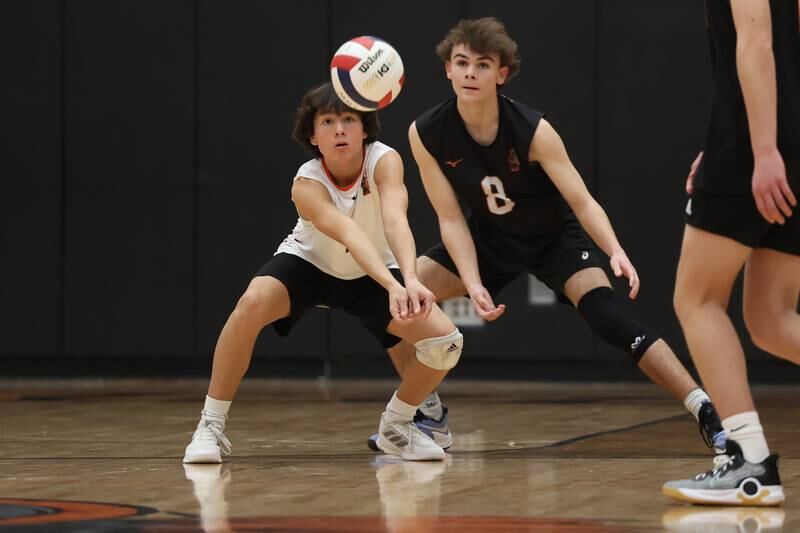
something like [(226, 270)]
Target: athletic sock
[(745, 428), (216, 410), (399, 411), (695, 400)]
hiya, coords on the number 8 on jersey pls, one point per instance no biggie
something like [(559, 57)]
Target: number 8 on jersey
[(496, 198)]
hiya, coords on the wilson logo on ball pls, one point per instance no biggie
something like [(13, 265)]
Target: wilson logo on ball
[(367, 73)]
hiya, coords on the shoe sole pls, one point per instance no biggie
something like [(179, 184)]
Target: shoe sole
[(202, 458), (443, 441), (767, 496), (387, 447)]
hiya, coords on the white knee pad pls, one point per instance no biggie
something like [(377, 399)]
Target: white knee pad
[(441, 353)]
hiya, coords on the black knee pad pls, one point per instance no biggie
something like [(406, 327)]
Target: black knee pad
[(600, 309)]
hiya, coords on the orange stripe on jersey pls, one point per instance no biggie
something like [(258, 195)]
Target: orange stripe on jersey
[(330, 176)]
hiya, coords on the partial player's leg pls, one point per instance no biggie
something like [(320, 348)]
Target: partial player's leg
[(701, 303), (432, 415), (438, 344), (747, 474), (590, 292), (771, 292), (444, 285), (264, 301)]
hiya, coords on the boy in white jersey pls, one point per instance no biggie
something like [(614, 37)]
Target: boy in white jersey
[(350, 238)]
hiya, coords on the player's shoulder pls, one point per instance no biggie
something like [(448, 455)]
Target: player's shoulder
[(375, 153), (311, 169), (434, 124), (521, 111), (435, 114), (377, 149)]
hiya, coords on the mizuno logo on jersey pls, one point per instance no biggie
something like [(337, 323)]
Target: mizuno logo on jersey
[(454, 163)]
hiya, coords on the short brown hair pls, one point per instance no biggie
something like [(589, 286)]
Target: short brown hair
[(484, 36), (323, 99)]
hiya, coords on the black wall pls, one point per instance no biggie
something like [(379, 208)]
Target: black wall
[(147, 162)]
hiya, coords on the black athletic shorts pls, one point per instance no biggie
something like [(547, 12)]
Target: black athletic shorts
[(736, 216), (308, 287), (569, 252)]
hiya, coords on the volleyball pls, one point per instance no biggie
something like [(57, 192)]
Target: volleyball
[(367, 73)]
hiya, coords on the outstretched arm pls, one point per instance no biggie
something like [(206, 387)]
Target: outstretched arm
[(314, 204), (455, 233), (548, 149), (394, 207)]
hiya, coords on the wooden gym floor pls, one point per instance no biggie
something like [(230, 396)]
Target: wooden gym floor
[(106, 456)]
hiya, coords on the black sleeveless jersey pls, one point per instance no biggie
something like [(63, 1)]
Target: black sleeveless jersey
[(510, 202), (728, 160)]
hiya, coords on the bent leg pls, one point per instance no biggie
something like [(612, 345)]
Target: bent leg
[(658, 362), (419, 379), (444, 285), (265, 301), (771, 292)]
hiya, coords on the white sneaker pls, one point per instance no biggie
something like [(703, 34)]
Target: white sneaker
[(208, 443), (408, 441)]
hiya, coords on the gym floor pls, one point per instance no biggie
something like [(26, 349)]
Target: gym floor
[(105, 455)]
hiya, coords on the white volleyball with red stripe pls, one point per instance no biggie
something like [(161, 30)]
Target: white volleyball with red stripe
[(367, 73)]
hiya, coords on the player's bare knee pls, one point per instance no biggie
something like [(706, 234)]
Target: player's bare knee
[(766, 332), (440, 353), (254, 304), (443, 283), (682, 302)]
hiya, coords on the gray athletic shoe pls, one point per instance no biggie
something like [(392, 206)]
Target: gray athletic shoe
[(733, 481), (408, 441), (435, 429)]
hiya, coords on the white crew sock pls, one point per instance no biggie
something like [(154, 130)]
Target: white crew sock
[(745, 428), (694, 400), (399, 411), (216, 410)]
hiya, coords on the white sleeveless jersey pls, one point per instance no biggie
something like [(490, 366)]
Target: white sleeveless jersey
[(360, 202)]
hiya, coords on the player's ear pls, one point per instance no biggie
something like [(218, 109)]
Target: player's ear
[(313, 140), (448, 69), (502, 75)]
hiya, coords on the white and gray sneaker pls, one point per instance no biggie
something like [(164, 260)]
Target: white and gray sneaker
[(733, 481), (408, 441), (208, 442)]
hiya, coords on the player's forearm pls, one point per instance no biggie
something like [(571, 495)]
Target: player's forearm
[(458, 241), (756, 66), (367, 257), (594, 220), (401, 241)]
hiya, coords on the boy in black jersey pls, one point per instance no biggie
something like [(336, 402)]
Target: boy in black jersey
[(743, 190), (528, 211)]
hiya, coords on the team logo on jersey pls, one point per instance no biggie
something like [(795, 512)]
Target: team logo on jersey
[(453, 163), (365, 185), (513, 161)]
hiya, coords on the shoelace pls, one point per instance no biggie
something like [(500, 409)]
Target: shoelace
[(721, 463), (410, 431), (216, 430)]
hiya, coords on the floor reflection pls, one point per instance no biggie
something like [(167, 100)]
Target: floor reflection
[(688, 519), (409, 490), (208, 482)]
